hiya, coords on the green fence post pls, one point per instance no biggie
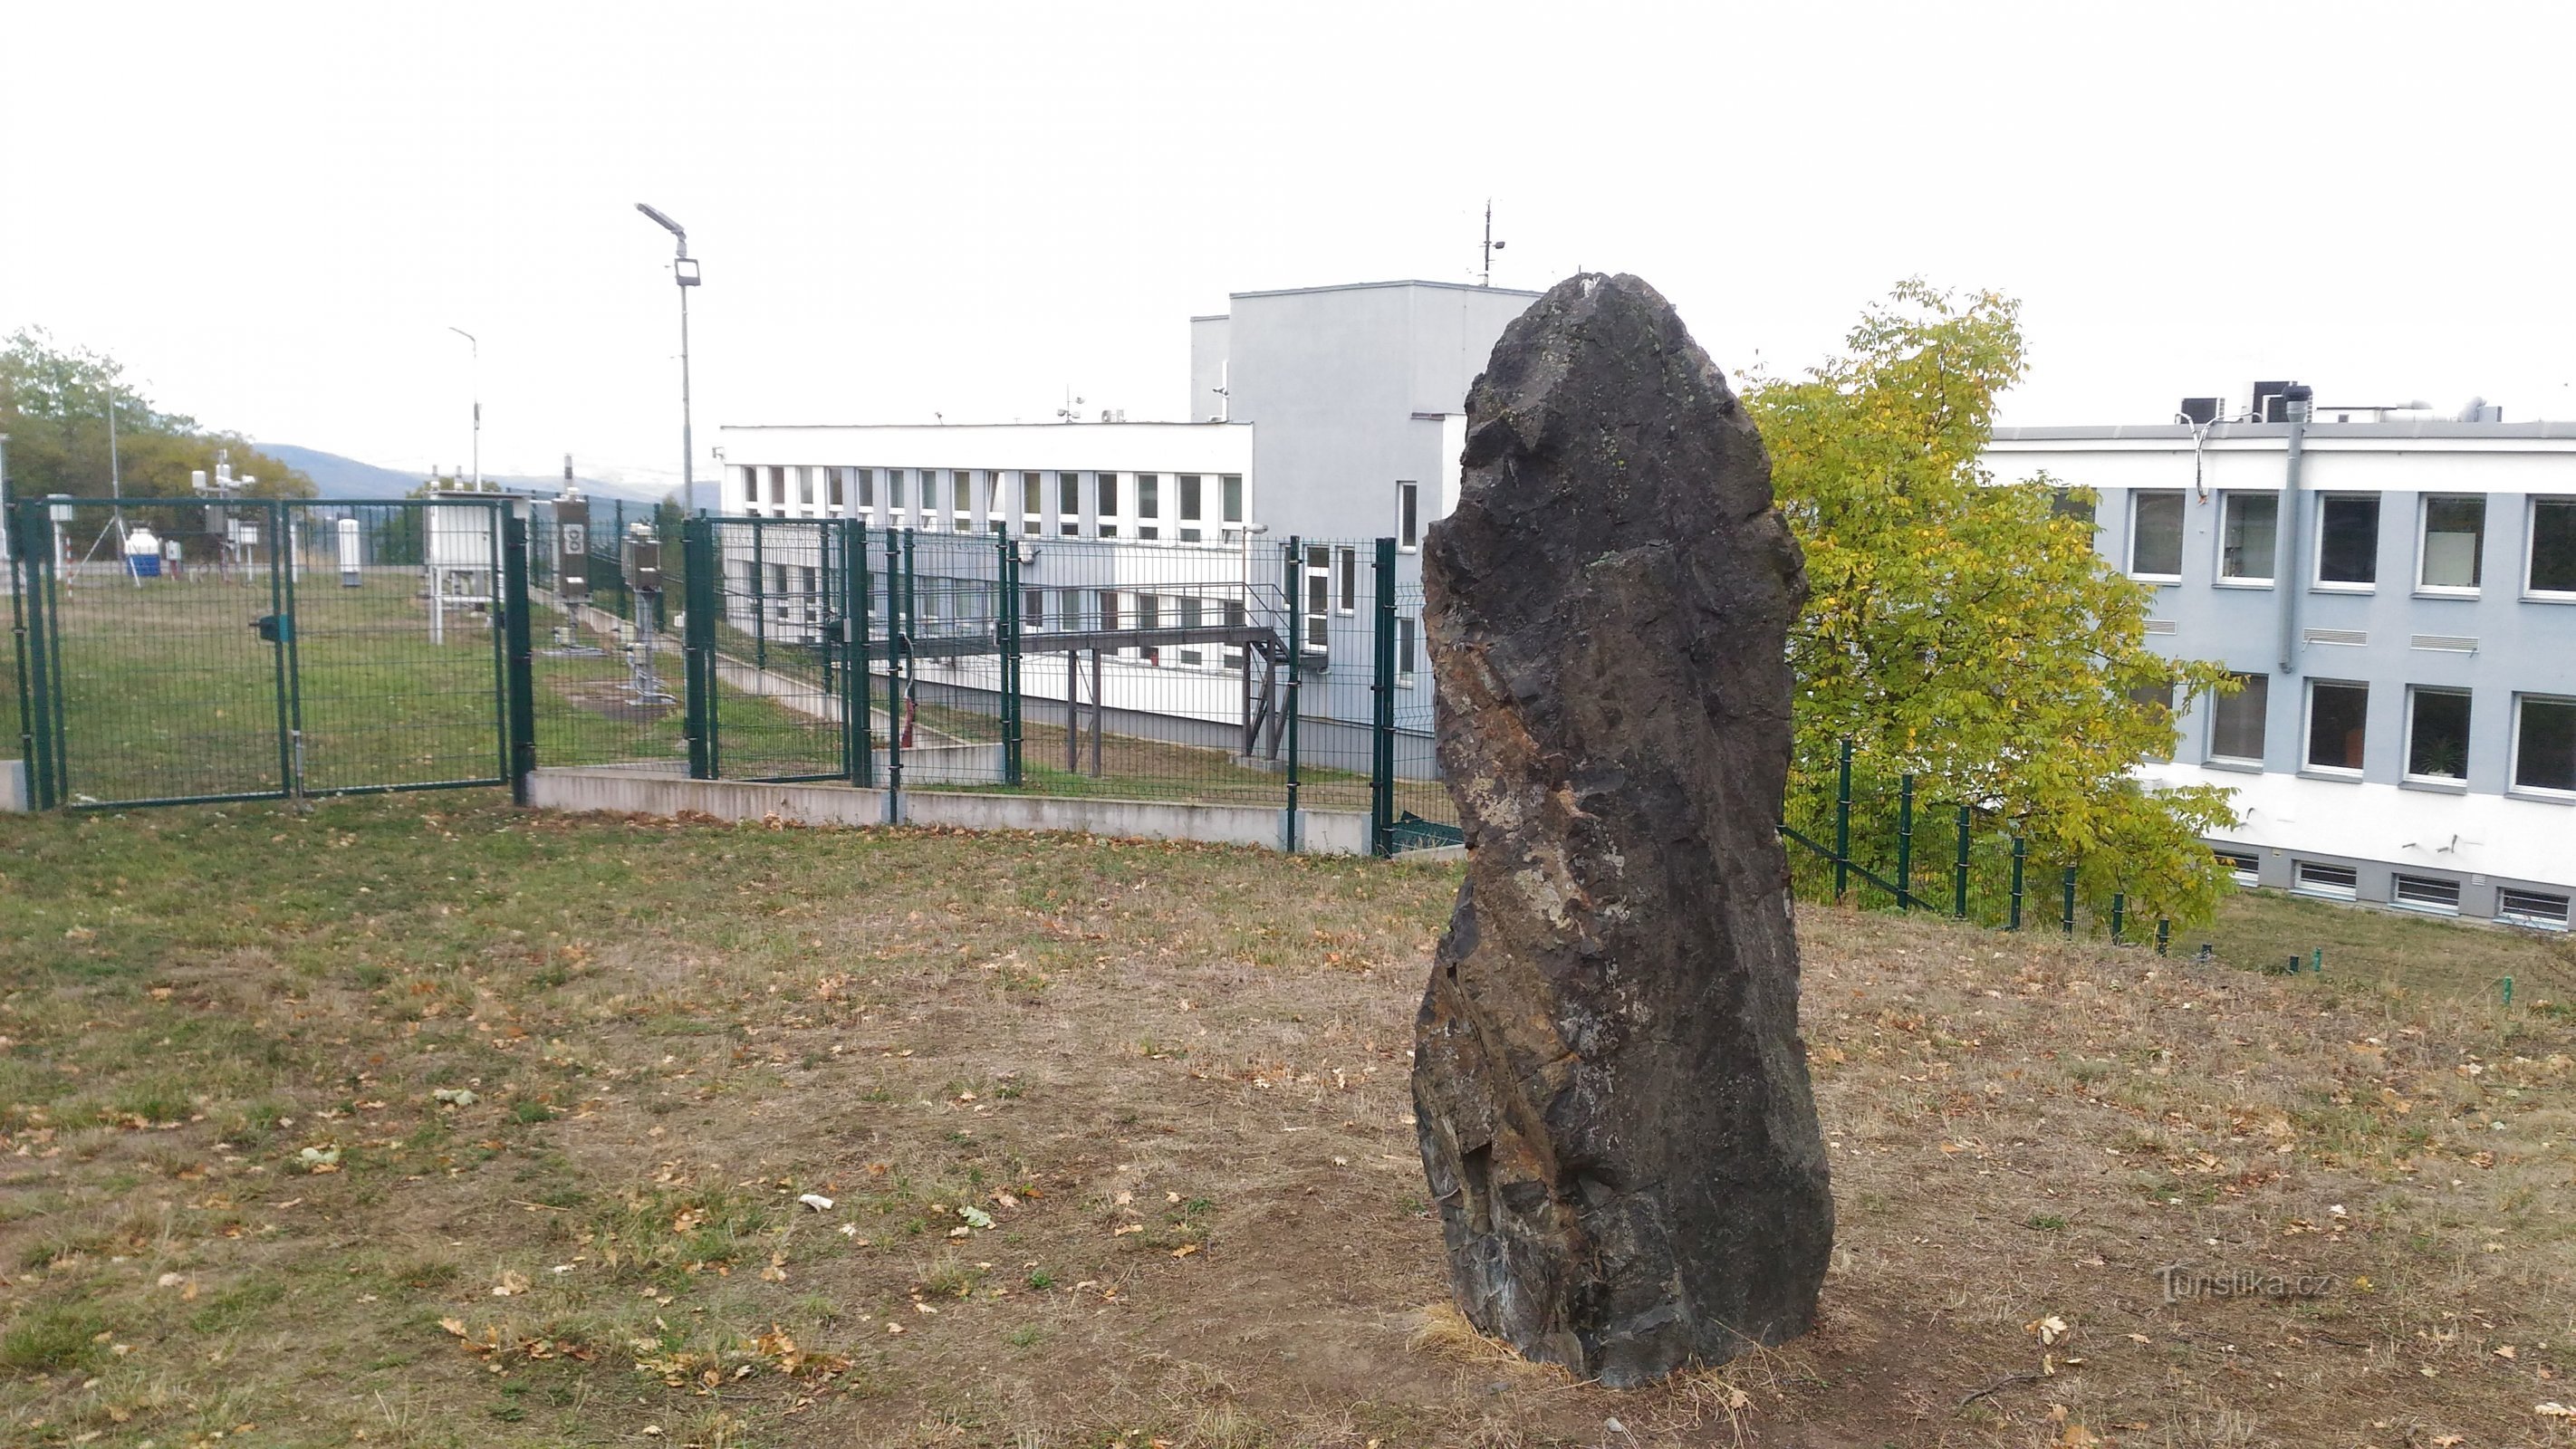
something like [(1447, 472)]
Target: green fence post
[(2020, 854), (1842, 821), (759, 600), (1382, 708), (2119, 914), (281, 627), (697, 651), (33, 557), (521, 703), (1905, 842), (1296, 651), (2164, 933), (1014, 707), (855, 604), (2067, 881), (1959, 871), (898, 664)]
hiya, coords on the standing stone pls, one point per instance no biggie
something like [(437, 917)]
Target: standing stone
[(1610, 1089)]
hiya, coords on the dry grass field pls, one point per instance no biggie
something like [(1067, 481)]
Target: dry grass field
[(425, 1122)]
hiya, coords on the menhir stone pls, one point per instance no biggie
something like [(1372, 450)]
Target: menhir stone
[(1611, 1092)]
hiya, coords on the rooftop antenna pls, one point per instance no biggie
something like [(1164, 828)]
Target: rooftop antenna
[(1491, 246)]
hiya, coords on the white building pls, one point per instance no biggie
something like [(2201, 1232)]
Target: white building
[(2406, 732)]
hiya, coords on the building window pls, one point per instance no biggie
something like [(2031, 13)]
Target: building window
[(2437, 735), (2156, 702), (1193, 506), (750, 485), (2337, 716), (2551, 566), (961, 500), (2242, 866), (1190, 619), (1319, 599), (1408, 515), (1404, 653), (1230, 485), (1149, 505), (1032, 502), (1033, 609), (778, 487), (2249, 537), (2425, 893), (894, 496), (865, 481), (2348, 539), (836, 496), (2155, 534), (1235, 615), (2455, 538), (804, 487), (1105, 491), (2236, 720), (2335, 882), (2544, 744), (1346, 564), (1068, 504), (1108, 608), (2532, 908)]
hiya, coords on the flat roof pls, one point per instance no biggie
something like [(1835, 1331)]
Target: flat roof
[(933, 427), (1364, 286), (2219, 432)]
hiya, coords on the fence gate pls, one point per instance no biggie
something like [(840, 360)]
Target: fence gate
[(185, 650)]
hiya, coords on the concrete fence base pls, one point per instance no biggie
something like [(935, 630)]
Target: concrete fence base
[(13, 786), (1321, 832)]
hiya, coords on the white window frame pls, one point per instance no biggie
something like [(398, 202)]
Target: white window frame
[(1107, 515), (2406, 762), (2398, 882), (2423, 537), (2513, 758), (1408, 640), (1191, 526), (2212, 753), (2530, 543), (2219, 577), (1149, 522), (749, 473), (2182, 520), (1346, 581), (1068, 521), (1032, 502), (2308, 728), (1317, 569), (2512, 917), (2317, 552), (1408, 501), (961, 499), (2245, 867), (2329, 890)]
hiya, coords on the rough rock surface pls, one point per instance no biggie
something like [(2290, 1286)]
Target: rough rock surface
[(1611, 1093)]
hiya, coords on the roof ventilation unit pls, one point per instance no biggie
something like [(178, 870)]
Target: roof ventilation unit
[(2200, 411)]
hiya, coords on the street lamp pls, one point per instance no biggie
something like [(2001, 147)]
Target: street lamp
[(475, 351), (684, 270)]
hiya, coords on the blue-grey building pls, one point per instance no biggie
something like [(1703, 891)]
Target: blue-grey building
[(2397, 597)]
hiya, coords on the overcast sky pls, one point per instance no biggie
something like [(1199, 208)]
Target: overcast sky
[(273, 213)]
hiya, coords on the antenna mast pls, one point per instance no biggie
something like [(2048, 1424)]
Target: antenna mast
[(1491, 246)]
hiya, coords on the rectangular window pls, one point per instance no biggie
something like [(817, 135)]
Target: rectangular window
[(1108, 495), (894, 494), (1408, 515), (2236, 720), (2155, 534), (2248, 536), (1404, 652), (778, 487), (804, 487), (961, 500), (2552, 563), (2437, 734), (2425, 893), (836, 497), (2544, 745), (1068, 500), (867, 487), (2348, 539), (1033, 609), (1108, 608), (1149, 505), (2242, 866), (750, 485), (2156, 702), (1189, 619), (1347, 562), (1235, 615), (2532, 908), (1231, 486), (1193, 499), (1319, 598), (1032, 501), (2336, 882), (2455, 539), (2337, 717)]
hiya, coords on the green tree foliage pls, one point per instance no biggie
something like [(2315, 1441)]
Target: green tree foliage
[(1966, 632), (53, 405)]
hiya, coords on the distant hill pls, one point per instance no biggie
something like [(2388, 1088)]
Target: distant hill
[(339, 477)]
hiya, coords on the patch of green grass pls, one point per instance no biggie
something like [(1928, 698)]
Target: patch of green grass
[(48, 1338)]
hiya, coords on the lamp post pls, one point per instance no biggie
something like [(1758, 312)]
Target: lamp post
[(475, 352), (684, 270)]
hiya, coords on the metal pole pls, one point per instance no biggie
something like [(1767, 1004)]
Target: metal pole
[(688, 440), (2067, 882), (1072, 713), (475, 377), (2164, 933), (1959, 871), (1382, 707), (2020, 853), (1097, 710), (2286, 518), (1842, 822), (858, 713), (1905, 842), (1296, 651), (2119, 914), (522, 656)]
